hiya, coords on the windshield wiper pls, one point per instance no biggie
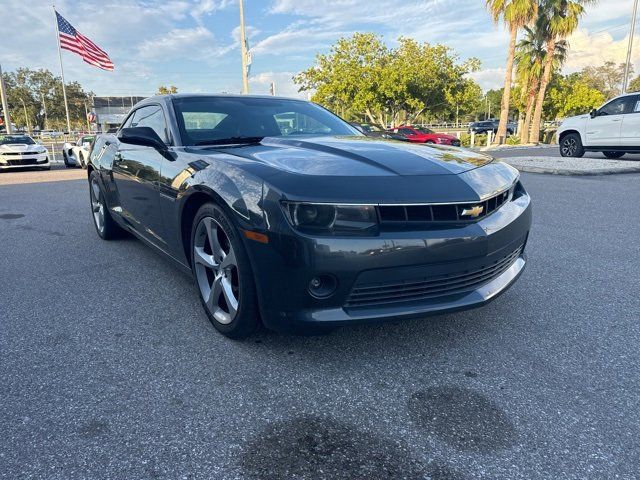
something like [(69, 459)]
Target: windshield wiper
[(231, 141)]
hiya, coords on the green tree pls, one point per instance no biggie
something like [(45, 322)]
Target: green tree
[(556, 20), (530, 59), (515, 14), (634, 85), (361, 75), (572, 95), (40, 90), (464, 101), (606, 78), (162, 90)]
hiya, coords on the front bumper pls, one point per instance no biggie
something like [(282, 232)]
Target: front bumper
[(19, 161), (285, 267)]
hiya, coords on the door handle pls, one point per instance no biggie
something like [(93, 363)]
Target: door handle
[(616, 120)]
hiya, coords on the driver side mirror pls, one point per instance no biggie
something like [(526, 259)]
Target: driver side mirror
[(144, 136), (593, 113)]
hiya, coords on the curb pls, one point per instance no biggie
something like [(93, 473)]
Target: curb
[(569, 172), (532, 146)]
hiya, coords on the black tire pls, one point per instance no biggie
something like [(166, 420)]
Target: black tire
[(613, 155), (110, 230), (430, 142), (571, 146), (246, 319)]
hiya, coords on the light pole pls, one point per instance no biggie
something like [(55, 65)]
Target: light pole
[(243, 50), (627, 66), (26, 117), (86, 115), (44, 107), (5, 106)]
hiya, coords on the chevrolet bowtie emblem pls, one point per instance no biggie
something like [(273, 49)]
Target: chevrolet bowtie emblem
[(473, 211)]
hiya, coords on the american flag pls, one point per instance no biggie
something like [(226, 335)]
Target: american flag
[(74, 41)]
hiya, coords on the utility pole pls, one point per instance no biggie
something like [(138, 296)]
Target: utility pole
[(44, 107), (627, 67), (5, 105), (243, 50), (86, 115), (26, 117)]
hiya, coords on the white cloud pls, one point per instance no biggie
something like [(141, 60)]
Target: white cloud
[(261, 83), (489, 78), (178, 42), (293, 40), (587, 49)]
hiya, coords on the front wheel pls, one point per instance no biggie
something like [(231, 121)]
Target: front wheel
[(223, 273), (571, 146), (613, 154), (105, 225)]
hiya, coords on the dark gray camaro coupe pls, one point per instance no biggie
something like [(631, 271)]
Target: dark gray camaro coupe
[(286, 214)]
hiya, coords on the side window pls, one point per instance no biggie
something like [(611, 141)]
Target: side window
[(615, 107), (151, 116), (298, 123), (127, 122)]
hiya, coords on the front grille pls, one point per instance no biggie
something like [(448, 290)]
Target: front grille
[(429, 287), (26, 161), (451, 212), (14, 154)]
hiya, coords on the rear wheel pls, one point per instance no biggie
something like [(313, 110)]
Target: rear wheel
[(223, 273), (571, 146), (105, 225), (613, 154)]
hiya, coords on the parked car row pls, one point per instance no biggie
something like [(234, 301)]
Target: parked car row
[(492, 125), (408, 133)]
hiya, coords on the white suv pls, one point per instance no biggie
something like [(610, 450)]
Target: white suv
[(613, 129)]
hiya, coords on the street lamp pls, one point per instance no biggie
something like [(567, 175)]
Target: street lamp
[(627, 65), (26, 117)]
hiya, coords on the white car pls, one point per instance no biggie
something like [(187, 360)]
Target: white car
[(21, 151), (77, 154), (613, 129)]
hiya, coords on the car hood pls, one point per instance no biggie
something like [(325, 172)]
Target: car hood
[(19, 147), (575, 119), (356, 156)]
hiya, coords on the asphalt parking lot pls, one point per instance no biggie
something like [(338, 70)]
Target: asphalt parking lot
[(109, 368)]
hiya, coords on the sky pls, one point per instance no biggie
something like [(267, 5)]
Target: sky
[(193, 44)]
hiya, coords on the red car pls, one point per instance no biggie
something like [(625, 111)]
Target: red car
[(424, 135)]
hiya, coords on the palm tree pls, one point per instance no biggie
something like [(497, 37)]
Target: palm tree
[(530, 60), (557, 19), (515, 14)]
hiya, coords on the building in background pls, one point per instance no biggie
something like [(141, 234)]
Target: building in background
[(110, 111)]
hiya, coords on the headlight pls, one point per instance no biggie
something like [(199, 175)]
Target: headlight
[(330, 219)]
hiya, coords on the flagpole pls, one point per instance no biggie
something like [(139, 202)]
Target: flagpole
[(243, 50), (64, 90)]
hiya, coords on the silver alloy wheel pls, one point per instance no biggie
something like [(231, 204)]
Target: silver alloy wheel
[(216, 270), (96, 205), (569, 147)]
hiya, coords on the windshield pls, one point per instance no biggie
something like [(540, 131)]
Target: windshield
[(211, 120), (20, 139)]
